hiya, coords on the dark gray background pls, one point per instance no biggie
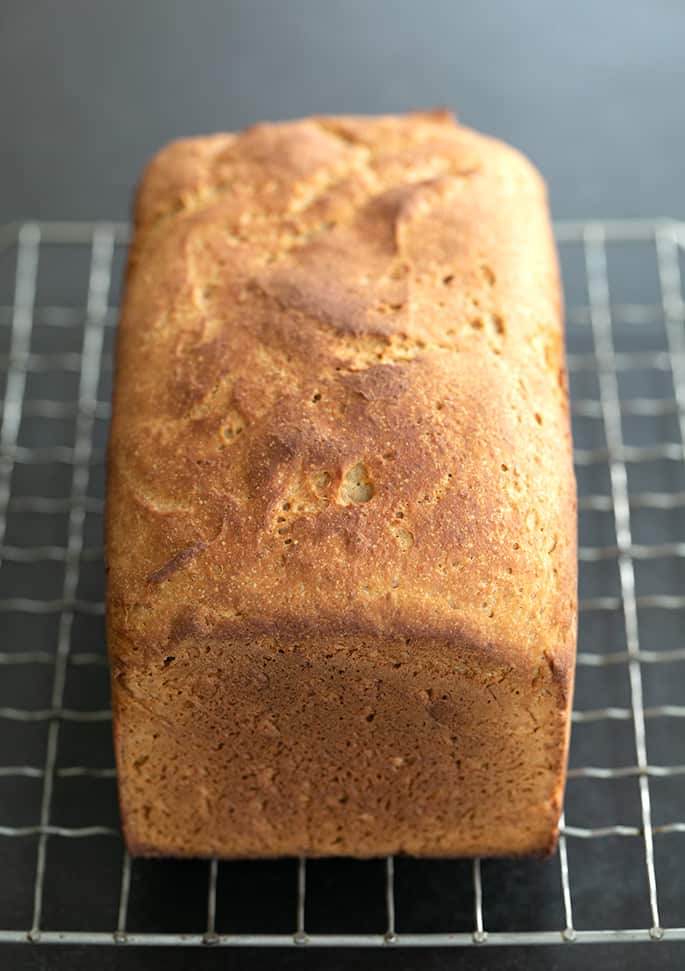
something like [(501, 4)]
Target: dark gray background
[(591, 91)]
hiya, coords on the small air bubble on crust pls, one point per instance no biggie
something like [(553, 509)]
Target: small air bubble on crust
[(405, 539), (356, 487), (233, 428), (488, 274), (321, 481)]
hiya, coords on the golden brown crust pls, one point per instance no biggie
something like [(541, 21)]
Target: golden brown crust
[(341, 414)]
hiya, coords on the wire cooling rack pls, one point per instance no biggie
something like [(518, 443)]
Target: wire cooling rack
[(617, 876)]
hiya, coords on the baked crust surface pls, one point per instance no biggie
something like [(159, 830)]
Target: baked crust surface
[(341, 507)]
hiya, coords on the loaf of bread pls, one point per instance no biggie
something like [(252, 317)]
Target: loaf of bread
[(341, 510)]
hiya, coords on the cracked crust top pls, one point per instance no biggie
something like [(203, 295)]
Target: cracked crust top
[(341, 400)]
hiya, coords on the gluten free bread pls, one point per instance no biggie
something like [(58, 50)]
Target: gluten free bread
[(341, 511)]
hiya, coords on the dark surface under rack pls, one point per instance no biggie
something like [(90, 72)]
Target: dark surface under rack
[(64, 876)]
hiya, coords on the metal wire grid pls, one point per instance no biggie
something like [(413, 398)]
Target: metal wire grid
[(605, 359)]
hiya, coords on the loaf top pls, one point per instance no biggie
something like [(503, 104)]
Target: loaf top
[(340, 400)]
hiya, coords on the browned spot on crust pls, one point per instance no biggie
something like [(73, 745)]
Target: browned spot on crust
[(177, 562)]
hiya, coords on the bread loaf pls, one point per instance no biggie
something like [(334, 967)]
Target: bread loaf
[(341, 510)]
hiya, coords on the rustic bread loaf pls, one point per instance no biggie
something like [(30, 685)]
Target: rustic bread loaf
[(341, 510)]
